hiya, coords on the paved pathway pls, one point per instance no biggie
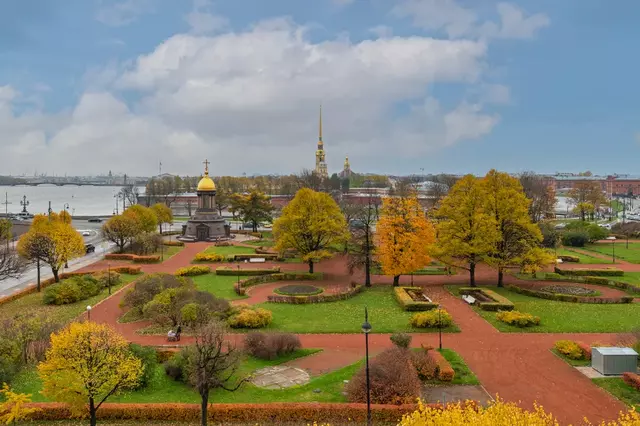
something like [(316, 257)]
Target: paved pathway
[(517, 366)]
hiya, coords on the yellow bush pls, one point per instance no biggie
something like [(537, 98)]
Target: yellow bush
[(519, 319), (190, 271), (248, 317), (570, 349), (209, 257), (431, 319)]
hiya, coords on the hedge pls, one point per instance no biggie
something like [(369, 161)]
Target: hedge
[(569, 258), (632, 379), (168, 233), (209, 257), (586, 349), (315, 298), (146, 259), (248, 256), (594, 280), (408, 304), (227, 270), (33, 288), (444, 371), (132, 257), (274, 413), (600, 272), (191, 271), (173, 243), (240, 287), (568, 297), (499, 303)]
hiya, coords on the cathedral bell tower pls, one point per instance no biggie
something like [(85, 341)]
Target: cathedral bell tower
[(321, 165)]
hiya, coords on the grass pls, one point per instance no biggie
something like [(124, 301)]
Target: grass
[(164, 389), (32, 303), (218, 285), (565, 317), (345, 316), (168, 252), (631, 254), (463, 376), (572, 362), (226, 250), (584, 258), (619, 389)]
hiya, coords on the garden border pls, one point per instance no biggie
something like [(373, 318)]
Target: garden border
[(604, 281), (229, 271), (500, 303), (241, 286), (410, 305), (568, 298), (590, 272), (316, 298)]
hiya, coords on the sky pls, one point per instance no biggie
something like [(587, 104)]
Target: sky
[(406, 86)]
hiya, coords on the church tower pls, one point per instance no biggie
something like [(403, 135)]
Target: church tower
[(321, 165), (346, 171)]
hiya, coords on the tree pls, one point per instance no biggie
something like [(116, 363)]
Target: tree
[(223, 200), (163, 214), (584, 193), (362, 240), (52, 240), (212, 363), (120, 230), (87, 363), (334, 183), (506, 202), (144, 217), (130, 193), (310, 223), (310, 179), (465, 232), (254, 207), (540, 191), (13, 409), (349, 210), (404, 237), (11, 265)]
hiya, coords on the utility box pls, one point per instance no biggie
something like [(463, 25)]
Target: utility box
[(614, 361)]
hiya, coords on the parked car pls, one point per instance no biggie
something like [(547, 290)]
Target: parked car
[(95, 220), (89, 248), (86, 233)]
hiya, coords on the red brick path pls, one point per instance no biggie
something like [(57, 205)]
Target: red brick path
[(518, 366)]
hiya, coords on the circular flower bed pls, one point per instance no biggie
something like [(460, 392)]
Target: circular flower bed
[(299, 290), (570, 290)]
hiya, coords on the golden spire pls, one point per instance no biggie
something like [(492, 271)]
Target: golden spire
[(346, 162), (320, 138)]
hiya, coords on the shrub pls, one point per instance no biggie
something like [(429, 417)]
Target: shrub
[(518, 319), (131, 270), (164, 355), (425, 365), (209, 257), (271, 345), (174, 306), (444, 371), (393, 380), (226, 270), (149, 359), (173, 243), (147, 287), (586, 350), (408, 304), (569, 258), (595, 272), (575, 238), (175, 367), (71, 290), (244, 316), (191, 271), (431, 319), (570, 349), (146, 243), (632, 379), (316, 298), (104, 277), (146, 259), (401, 340)]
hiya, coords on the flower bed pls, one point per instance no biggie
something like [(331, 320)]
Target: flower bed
[(406, 297), (227, 270), (488, 300), (569, 258), (173, 243), (518, 319), (298, 290), (599, 272), (569, 298), (240, 287), (568, 289), (318, 298), (594, 280)]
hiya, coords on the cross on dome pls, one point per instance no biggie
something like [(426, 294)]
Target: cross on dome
[(206, 166)]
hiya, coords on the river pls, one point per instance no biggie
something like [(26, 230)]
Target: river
[(82, 200)]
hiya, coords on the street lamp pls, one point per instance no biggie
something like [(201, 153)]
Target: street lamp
[(88, 312), (366, 329), (613, 247)]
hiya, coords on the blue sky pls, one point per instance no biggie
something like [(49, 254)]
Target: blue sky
[(542, 85)]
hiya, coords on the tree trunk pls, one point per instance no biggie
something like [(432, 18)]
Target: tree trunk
[(255, 226), (500, 277), (472, 274), (92, 413), (311, 266), (56, 278), (203, 407), (396, 280), (367, 261), (38, 268)]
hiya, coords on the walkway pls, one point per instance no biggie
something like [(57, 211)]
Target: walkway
[(518, 366)]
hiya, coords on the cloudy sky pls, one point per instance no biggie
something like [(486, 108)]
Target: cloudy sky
[(88, 86)]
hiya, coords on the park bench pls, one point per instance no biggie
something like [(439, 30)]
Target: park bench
[(257, 260), (469, 299)]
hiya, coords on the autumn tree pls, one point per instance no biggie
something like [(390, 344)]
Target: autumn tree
[(465, 232), (212, 363), (51, 240), (586, 195), (507, 204), (541, 192), (223, 200), (144, 217), (11, 265), (14, 407), (310, 223), (362, 239), (254, 207), (87, 363), (120, 230), (163, 214), (404, 237)]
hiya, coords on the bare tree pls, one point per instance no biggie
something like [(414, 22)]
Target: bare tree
[(11, 265), (130, 193), (362, 242), (310, 179), (542, 195), (212, 363), (349, 209)]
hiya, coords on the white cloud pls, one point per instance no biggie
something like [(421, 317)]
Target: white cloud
[(382, 31), (516, 25), (202, 20), (118, 13)]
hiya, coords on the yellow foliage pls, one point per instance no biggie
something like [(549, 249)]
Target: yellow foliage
[(163, 214), (13, 409), (87, 363), (145, 218), (404, 236)]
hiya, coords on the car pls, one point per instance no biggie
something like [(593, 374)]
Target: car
[(86, 233), (89, 248), (267, 226), (95, 220)]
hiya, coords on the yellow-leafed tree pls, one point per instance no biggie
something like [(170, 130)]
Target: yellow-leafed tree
[(13, 409), (121, 230), (163, 214), (145, 218), (466, 233), (86, 364), (404, 237), (310, 223), (52, 240), (517, 237)]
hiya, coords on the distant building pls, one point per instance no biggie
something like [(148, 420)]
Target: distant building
[(611, 185), (346, 170)]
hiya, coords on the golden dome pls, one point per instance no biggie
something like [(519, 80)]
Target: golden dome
[(206, 183)]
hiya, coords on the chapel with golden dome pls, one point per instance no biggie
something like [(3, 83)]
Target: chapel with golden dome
[(206, 224)]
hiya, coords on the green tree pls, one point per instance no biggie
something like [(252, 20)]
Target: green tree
[(254, 207)]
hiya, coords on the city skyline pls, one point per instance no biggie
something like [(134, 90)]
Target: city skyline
[(443, 86)]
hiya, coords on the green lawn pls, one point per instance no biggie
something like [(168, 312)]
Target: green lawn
[(164, 389), (32, 303), (629, 277), (566, 317), (168, 252), (218, 285), (463, 376), (346, 316), (631, 254), (226, 250), (584, 258), (619, 389)]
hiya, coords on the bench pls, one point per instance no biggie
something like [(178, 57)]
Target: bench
[(469, 299), (257, 260)]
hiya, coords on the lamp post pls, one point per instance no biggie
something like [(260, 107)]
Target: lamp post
[(366, 329), (24, 203), (613, 247), (88, 312)]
